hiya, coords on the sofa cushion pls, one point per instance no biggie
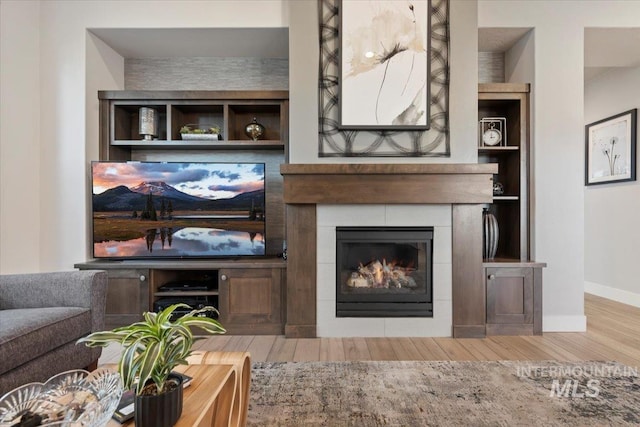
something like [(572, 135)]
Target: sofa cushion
[(27, 333)]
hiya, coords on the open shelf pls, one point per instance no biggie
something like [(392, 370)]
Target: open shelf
[(498, 149), (511, 209), (185, 293), (213, 145), (231, 111)]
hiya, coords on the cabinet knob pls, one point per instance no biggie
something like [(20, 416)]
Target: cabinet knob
[(142, 278), (223, 277), (492, 276)]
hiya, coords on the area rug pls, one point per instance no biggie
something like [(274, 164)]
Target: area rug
[(444, 394)]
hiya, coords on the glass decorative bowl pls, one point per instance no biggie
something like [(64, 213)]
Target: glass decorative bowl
[(72, 398)]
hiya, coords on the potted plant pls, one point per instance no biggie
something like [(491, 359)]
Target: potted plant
[(151, 349), (192, 131)]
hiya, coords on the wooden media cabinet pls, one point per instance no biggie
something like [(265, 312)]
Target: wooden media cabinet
[(249, 294)]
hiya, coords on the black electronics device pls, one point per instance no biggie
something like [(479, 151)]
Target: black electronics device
[(194, 303), (186, 285)]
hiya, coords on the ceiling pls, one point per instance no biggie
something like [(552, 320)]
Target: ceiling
[(605, 49), (196, 42)]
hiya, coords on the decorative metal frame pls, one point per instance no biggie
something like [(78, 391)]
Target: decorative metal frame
[(610, 149), (336, 142)]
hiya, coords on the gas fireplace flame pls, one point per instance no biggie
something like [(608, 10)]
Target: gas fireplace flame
[(380, 274)]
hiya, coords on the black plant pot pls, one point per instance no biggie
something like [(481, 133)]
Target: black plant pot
[(162, 410)]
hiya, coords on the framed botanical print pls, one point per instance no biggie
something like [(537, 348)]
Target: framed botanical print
[(384, 64), (611, 149)]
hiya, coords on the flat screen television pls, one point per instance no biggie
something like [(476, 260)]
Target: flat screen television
[(177, 210)]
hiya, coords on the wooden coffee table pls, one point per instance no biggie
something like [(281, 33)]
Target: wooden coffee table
[(208, 401)]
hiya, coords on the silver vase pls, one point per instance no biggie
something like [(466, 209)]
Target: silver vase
[(148, 123), (490, 234)]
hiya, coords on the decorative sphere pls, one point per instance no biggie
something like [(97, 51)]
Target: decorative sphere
[(254, 130)]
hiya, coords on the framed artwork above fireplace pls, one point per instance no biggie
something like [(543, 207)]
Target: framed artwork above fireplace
[(377, 116)]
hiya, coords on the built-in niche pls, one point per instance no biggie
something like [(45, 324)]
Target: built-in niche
[(505, 55)]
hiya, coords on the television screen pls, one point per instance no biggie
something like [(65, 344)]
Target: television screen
[(178, 210)]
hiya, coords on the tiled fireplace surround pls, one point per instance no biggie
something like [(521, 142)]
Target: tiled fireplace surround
[(331, 216), (448, 197)]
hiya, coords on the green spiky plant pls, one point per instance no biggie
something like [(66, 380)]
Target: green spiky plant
[(153, 347)]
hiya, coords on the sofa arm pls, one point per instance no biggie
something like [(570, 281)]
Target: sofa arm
[(86, 288)]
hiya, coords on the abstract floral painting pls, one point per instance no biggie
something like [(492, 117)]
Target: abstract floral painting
[(384, 64), (430, 136), (611, 149)]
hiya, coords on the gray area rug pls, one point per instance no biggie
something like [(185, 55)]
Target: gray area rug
[(444, 394)]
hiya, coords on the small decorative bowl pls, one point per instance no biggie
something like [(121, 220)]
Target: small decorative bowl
[(72, 398), (193, 132)]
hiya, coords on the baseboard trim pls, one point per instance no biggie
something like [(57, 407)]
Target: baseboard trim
[(615, 294), (564, 323)]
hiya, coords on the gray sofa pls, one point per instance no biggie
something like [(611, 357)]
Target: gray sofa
[(41, 317)]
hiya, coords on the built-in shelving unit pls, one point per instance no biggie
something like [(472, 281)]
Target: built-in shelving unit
[(248, 292), (513, 283), (232, 111), (511, 102)]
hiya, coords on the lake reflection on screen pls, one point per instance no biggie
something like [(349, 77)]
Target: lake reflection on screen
[(188, 241)]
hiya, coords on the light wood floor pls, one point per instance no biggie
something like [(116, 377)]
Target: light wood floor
[(613, 333)]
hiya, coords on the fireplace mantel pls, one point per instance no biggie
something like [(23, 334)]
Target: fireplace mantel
[(388, 183), (465, 186)]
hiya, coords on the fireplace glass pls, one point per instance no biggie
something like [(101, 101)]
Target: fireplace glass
[(384, 271)]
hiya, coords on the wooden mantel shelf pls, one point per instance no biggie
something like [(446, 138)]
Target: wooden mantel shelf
[(388, 169), (465, 186), (388, 183)]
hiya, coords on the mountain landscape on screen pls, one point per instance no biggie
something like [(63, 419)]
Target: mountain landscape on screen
[(148, 209)]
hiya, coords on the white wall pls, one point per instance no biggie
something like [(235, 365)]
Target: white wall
[(558, 159), (611, 210), (20, 142), (520, 61)]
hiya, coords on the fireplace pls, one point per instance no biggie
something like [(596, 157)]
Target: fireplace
[(312, 192), (384, 271)]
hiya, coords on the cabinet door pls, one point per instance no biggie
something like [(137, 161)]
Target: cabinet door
[(127, 296), (509, 296), (251, 300)]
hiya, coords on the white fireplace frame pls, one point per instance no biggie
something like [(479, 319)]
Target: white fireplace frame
[(331, 216)]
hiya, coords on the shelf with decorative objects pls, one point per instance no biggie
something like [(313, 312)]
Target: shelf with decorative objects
[(503, 138), (512, 281), (192, 120)]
